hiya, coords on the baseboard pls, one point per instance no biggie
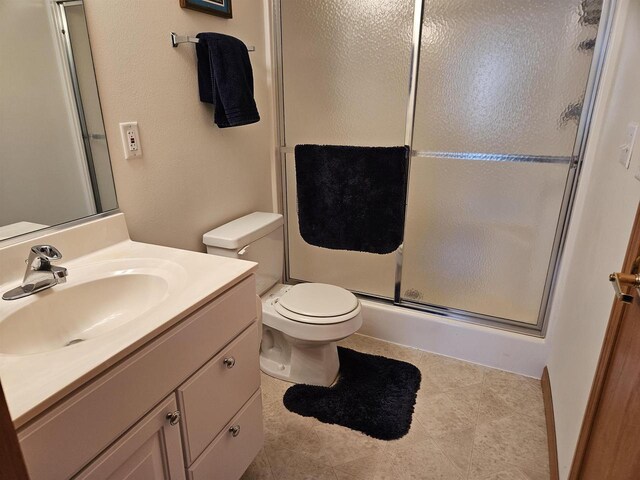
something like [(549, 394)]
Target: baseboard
[(551, 425)]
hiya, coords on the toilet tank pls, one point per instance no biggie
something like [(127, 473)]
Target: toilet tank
[(257, 237)]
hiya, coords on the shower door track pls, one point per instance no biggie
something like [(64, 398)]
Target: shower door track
[(574, 162)]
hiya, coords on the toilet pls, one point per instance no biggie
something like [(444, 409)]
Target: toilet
[(300, 323)]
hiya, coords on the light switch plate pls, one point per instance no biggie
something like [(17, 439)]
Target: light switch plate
[(626, 150), (130, 139)]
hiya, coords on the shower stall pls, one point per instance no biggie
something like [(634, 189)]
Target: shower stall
[(493, 97)]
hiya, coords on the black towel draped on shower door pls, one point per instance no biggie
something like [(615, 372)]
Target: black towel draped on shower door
[(352, 198)]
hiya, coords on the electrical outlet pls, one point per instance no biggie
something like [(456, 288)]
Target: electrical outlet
[(130, 139)]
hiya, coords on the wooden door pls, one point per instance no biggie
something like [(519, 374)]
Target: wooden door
[(609, 443)]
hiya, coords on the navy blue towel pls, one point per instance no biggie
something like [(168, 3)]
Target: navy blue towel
[(352, 198), (225, 79)]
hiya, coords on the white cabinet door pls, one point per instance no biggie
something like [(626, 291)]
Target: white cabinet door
[(151, 450)]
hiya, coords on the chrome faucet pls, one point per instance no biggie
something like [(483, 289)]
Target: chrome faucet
[(40, 274)]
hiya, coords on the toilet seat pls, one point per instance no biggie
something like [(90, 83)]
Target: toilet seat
[(318, 304)]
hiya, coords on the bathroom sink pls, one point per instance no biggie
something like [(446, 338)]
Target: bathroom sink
[(118, 296), (99, 301)]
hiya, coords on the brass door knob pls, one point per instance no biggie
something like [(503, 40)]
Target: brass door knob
[(620, 280)]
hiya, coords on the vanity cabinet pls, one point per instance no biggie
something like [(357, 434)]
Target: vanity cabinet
[(119, 425)]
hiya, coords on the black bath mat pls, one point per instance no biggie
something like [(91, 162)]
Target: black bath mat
[(374, 395)]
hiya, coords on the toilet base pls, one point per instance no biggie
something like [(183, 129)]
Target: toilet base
[(298, 361)]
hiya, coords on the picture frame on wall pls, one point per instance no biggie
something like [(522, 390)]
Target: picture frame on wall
[(221, 8)]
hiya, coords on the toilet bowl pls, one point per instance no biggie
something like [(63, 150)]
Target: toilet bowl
[(300, 323)]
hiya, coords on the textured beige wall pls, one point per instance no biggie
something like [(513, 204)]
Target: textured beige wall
[(192, 176), (606, 203)]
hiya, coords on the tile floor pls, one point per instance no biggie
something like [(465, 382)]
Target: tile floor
[(470, 422)]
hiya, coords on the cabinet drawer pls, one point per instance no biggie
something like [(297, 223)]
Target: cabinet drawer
[(68, 436), (212, 396), (150, 450), (228, 457)]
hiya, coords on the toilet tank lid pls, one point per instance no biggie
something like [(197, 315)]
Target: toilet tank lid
[(242, 231)]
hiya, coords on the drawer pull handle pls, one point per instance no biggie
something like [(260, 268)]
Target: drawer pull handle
[(173, 417), (235, 430), (229, 362)]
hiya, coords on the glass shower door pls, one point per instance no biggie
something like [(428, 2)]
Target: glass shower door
[(345, 69), (500, 89), (498, 108)]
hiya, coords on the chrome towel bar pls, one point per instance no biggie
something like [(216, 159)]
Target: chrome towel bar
[(178, 39)]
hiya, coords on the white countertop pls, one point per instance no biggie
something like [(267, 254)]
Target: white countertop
[(20, 228), (33, 382)]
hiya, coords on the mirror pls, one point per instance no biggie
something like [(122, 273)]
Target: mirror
[(54, 160)]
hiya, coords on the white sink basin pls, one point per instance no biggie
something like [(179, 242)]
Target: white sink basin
[(96, 300)]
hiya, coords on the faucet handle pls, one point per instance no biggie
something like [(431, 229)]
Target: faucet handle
[(46, 252), (41, 256)]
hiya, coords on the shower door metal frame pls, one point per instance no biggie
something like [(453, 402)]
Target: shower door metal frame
[(63, 27), (574, 161)]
